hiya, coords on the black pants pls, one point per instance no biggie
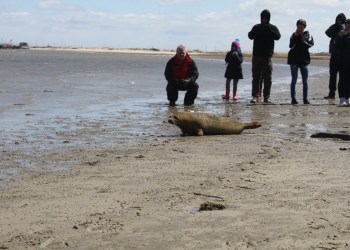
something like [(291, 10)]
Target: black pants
[(333, 71), (344, 80), (261, 69), (173, 89)]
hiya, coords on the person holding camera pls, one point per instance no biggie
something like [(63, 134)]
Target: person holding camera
[(342, 45), (264, 35), (181, 72), (233, 59), (299, 58)]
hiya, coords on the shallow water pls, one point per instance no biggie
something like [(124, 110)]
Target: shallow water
[(44, 90), (53, 99)]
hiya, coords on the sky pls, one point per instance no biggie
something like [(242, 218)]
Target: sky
[(206, 25)]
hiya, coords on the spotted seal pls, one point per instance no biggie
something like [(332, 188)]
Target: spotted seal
[(197, 123)]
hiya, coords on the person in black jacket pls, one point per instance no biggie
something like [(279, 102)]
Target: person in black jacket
[(332, 32), (264, 36), (233, 59), (342, 44), (299, 58), (181, 73)]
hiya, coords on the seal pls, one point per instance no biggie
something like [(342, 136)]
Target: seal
[(197, 123)]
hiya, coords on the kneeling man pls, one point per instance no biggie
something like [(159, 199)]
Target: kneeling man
[(181, 73)]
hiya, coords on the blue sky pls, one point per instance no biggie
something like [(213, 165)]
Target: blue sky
[(206, 25)]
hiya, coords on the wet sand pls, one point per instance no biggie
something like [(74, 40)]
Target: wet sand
[(281, 188)]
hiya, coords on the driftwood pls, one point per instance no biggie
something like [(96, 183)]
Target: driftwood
[(344, 137)]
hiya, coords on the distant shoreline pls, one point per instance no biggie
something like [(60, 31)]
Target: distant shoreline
[(154, 51)]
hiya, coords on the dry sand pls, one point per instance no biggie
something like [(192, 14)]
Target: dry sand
[(154, 51), (281, 188)]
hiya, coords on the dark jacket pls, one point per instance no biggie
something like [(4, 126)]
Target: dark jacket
[(333, 30), (234, 61), (264, 36), (299, 48), (342, 44), (192, 72)]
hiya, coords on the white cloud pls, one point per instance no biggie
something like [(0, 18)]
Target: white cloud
[(247, 5), (50, 4), (163, 2), (19, 14), (213, 16), (330, 3)]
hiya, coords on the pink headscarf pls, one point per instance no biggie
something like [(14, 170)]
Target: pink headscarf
[(236, 42)]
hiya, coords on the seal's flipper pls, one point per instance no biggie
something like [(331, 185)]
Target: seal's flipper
[(252, 125), (200, 132)]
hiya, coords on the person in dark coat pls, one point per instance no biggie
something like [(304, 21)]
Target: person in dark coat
[(264, 35), (233, 59), (299, 58), (342, 45), (181, 73), (332, 32)]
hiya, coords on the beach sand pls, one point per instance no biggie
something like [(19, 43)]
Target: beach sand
[(154, 51), (281, 189)]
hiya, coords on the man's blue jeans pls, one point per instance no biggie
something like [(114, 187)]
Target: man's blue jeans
[(304, 74)]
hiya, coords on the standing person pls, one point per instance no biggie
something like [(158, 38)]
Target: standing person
[(332, 32), (264, 36), (233, 59), (181, 73), (299, 57), (342, 44)]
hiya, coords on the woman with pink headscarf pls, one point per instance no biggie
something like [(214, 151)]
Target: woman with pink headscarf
[(233, 59)]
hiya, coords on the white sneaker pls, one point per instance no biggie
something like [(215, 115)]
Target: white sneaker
[(254, 100), (342, 102), (347, 102)]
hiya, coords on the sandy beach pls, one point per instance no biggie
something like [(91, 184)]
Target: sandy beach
[(155, 51), (281, 189)]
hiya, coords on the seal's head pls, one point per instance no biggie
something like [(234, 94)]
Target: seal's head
[(173, 119), (188, 122)]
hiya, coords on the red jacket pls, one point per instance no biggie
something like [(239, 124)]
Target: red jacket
[(178, 69)]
